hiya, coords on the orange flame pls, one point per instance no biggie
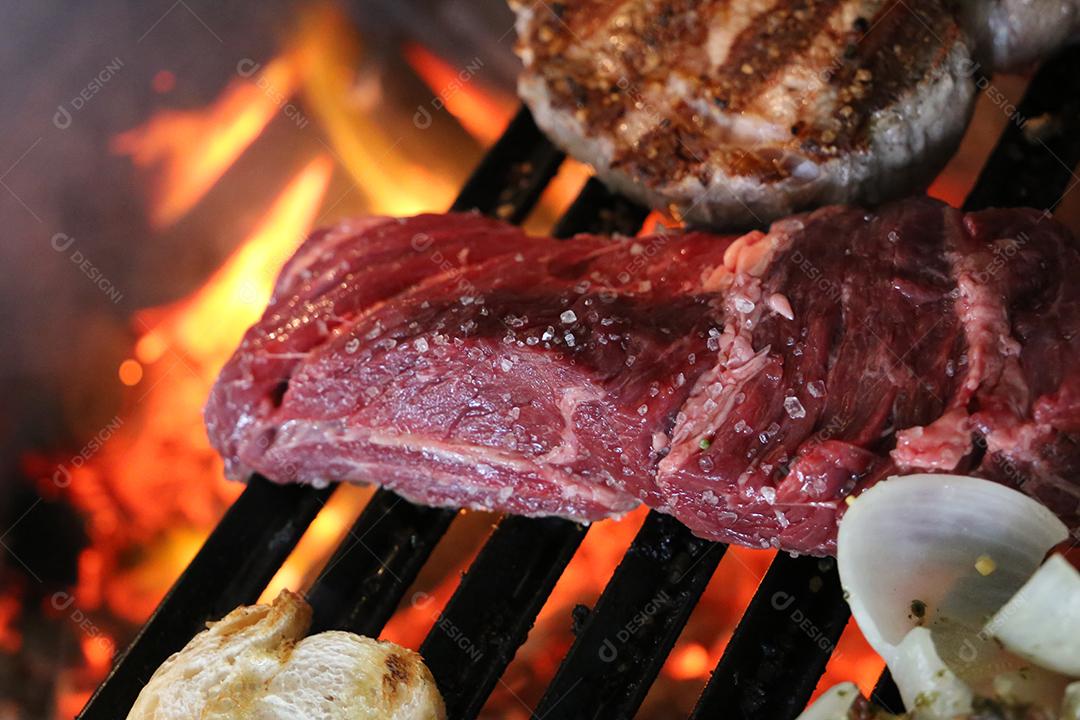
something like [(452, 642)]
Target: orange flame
[(243, 284), (156, 485), (483, 115), (391, 183), (190, 150), (327, 531), (157, 482), (153, 488)]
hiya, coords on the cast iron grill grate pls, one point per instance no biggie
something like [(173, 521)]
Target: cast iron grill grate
[(770, 666)]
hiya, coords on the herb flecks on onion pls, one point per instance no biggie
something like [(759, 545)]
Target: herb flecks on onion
[(926, 683), (913, 542), (927, 560)]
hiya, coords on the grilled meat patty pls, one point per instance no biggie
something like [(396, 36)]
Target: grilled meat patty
[(746, 385), (737, 113)]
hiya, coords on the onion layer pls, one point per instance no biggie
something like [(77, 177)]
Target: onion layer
[(1041, 623), (927, 686), (941, 552), (1070, 707)]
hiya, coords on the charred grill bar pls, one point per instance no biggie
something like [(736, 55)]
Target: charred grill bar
[(495, 607), (627, 636), (233, 566), (783, 642), (771, 665), (364, 580)]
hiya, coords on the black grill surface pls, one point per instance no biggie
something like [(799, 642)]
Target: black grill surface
[(772, 663)]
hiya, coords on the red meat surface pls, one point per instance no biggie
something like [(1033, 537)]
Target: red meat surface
[(746, 385)]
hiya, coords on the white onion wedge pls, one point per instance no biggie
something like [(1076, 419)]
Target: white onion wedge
[(944, 552), (927, 686), (1070, 707), (834, 704), (1041, 623)]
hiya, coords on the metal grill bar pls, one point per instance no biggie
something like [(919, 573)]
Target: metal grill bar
[(496, 604), (885, 694), (492, 611), (779, 650), (598, 210), (1033, 163), (235, 563), (508, 181), (625, 639), (376, 563)]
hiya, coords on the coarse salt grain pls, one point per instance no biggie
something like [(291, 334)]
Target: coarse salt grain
[(794, 408), (744, 305)]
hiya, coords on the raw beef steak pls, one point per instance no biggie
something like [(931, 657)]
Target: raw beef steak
[(745, 385)]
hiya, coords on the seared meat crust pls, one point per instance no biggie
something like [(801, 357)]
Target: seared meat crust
[(736, 113)]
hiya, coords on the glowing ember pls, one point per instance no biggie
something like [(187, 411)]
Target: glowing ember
[(130, 372), (10, 637), (164, 81), (98, 653), (689, 661), (70, 703)]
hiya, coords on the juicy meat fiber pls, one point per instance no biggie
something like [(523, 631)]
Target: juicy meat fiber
[(745, 385)]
